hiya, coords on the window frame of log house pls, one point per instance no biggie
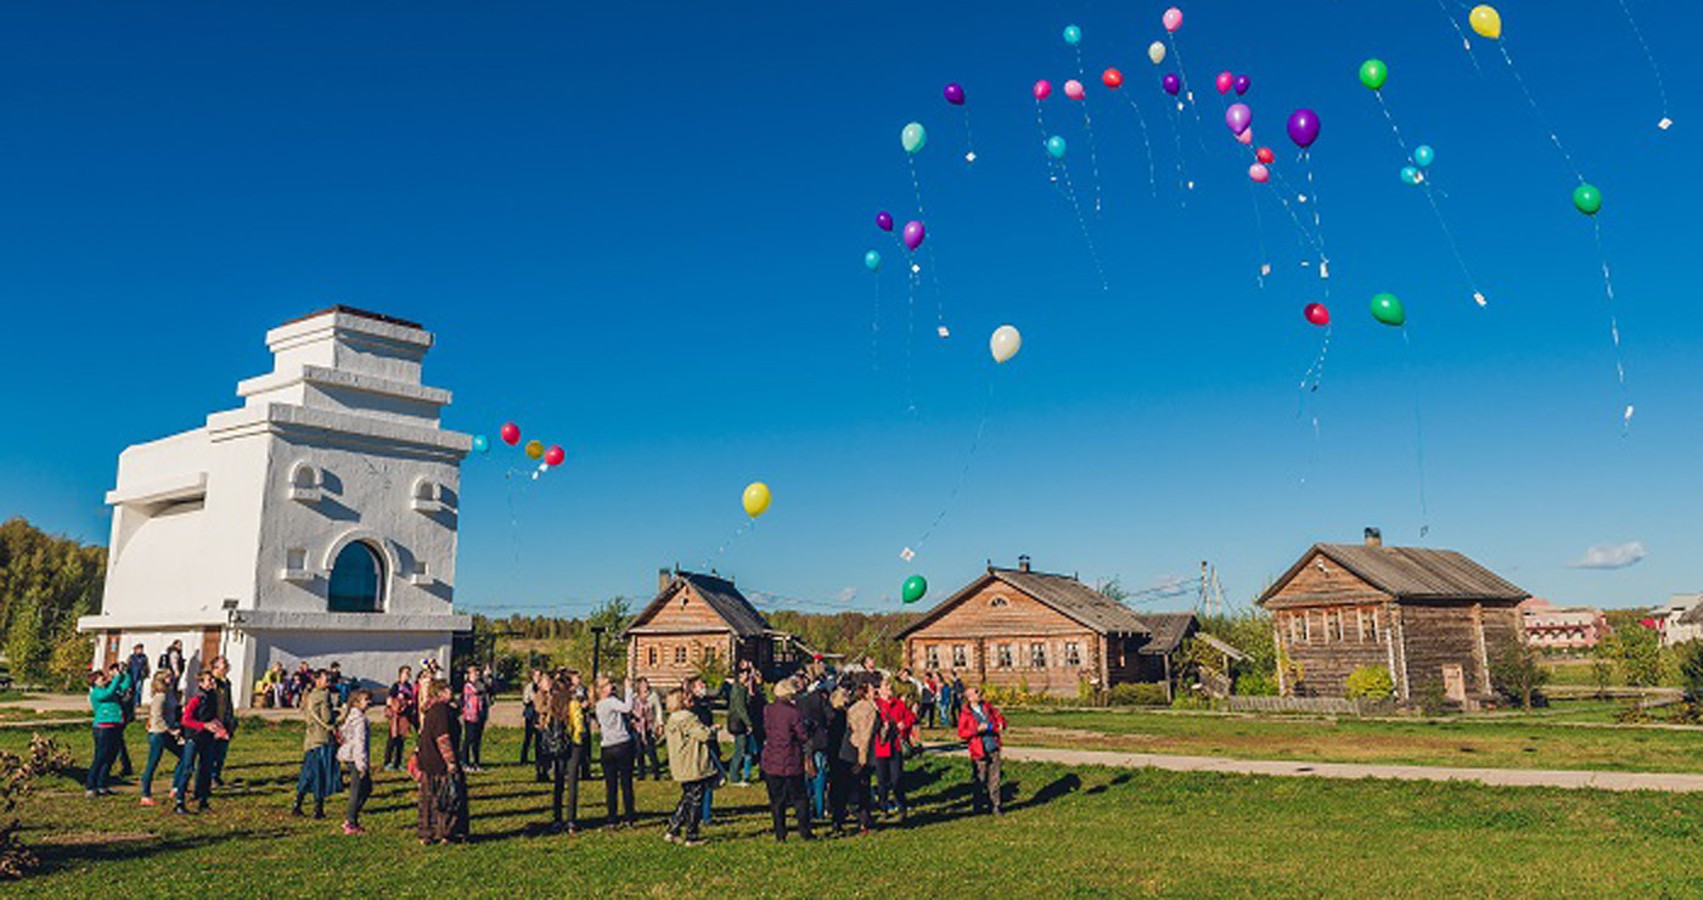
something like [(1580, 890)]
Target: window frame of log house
[(680, 654), (1072, 654), (1334, 631), (931, 656), (1003, 658), (960, 656), (1037, 655)]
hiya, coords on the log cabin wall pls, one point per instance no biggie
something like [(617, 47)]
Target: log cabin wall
[(1330, 622), (1004, 638), (678, 639), (1455, 633)]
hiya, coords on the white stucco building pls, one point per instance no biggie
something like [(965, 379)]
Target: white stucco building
[(317, 522)]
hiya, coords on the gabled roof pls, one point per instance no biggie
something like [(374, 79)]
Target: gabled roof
[(1410, 573), (722, 597), (1062, 593), (1169, 630)]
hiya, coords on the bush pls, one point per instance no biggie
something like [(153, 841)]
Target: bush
[(1137, 695), (1370, 682), (1432, 700), (1691, 669), (17, 774), (68, 667), (1256, 684)]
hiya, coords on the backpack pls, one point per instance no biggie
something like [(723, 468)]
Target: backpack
[(553, 741)]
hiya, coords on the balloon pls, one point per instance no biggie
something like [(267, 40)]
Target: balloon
[(1072, 35), (1238, 117), (1173, 19), (872, 261), (1424, 155), (1587, 199), (1243, 82), (1224, 81), (1303, 127), (1246, 137), (1056, 147), (1074, 90), (955, 94), (914, 233), (1112, 78), (510, 433), (1410, 175), (1387, 309), (756, 499), (915, 587), (913, 137), (555, 455), (1317, 314), (1486, 21), (1259, 173), (1156, 52), (1043, 89), (884, 220), (1373, 73), (1265, 155), (534, 449), (481, 444), (1005, 343), (1172, 83)]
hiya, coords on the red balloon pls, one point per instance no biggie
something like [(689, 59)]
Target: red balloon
[(555, 455), (1112, 78), (1317, 314), (1265, 155), (510, 433)]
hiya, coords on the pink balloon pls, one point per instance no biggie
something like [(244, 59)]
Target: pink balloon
[(1238, 117), (1173, 19), (1259, 173), (1246, 137), (1225, 81), (1074, 90), (1043, 89)]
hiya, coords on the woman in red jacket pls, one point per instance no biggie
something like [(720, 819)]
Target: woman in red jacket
[(892, 736), (980, 725)]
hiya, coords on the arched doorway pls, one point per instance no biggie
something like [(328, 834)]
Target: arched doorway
[(357, 580)]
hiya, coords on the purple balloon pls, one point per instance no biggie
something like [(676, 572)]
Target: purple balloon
[(914, 233), (1172, 83), (884, 220), (1303, 127), (1238, 117), (955, 94), (1242, 83)]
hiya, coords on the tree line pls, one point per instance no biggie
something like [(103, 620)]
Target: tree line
[(46, 583)]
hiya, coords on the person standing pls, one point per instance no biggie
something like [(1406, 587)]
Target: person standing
[(818, 715), (227, 713), (473, 700), (739, 725), (163, 729), (353, 754), (137, 667), (529, 721), (561, 720), (647, 727), (319, 747), (201, 728), (786, 744), (106, 699), (857, 758), (697, 698), (402, 713), (980, 725), (172, 661), (930, 694), (442, 800), (619, 751), (692, 764), (892, 738)]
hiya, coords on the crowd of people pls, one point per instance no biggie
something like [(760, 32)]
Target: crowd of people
[(830, 747)]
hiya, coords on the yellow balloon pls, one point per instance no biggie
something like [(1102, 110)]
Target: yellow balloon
[(535, 449), (756, 499), (1486, 21)]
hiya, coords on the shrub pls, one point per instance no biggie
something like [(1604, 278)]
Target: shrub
[(1137, 695), (16, 776), (68, 667), (1691, 669), (1519, 673), (1432, 700), (1370, 682), (1256, 684)]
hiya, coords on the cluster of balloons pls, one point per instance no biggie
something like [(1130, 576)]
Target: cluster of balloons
[(1423, 157), (1227, 82), (756, 499), (552, 456)]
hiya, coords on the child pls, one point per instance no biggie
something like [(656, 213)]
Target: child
[(352, 753)]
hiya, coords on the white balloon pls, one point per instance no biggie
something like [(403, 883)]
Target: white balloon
[(1005, 343), (1156, 52)]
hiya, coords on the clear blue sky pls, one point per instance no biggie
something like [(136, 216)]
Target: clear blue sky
[(638, 230)]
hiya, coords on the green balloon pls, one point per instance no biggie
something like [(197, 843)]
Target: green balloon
[(1587, 199), (1373, 73), (913, 137), (915, 587), (1387, 309)]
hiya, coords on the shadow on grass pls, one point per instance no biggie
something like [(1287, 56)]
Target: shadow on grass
[(65, 852)]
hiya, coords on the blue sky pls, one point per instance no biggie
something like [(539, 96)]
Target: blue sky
[(638, 231)]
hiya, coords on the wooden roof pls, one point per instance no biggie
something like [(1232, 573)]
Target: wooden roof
[(741, 617), (1409, 573), (1169, 630), (1062, 593)]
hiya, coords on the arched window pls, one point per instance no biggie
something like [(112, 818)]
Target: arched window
[(357, 580), (997, 602)]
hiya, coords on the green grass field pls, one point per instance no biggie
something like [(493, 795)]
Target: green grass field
[(1093, 832)]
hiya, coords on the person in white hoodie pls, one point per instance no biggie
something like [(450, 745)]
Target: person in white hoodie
[(352, 753)]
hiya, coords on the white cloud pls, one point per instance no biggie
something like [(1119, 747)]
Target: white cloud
[(1611, 556), (848, 594)]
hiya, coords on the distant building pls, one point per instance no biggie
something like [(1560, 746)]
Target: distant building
[(1434, 618), (1552, 627), (699, 621), (1681, 620)]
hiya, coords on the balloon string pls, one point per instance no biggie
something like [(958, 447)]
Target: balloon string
[(916, 184), (1082, 222), (875, 328), (1147, 146), (1436, 211), (1466, 43), (963, 472), (710, 561), (1259, 234), (1613, 330), (1656, 69), (910, 333), (969, 138), (1418, 433), (1088, 124), (1315, 374), (1537, 112), (1182, 176), (1183, 74)]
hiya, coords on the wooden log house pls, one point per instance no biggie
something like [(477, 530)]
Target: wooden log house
[(1434, 619), (699, 620)]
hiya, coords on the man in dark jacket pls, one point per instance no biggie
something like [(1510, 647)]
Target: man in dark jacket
[(818, 718), (740, 724), (227, 715)]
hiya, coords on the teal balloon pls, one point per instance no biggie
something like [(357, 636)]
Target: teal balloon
[(1056, 147), (1388, 310), (872, 261), (913, 137), (1410, 174), (481, 443), (915, 588), (1424, 155), (1072, 35)]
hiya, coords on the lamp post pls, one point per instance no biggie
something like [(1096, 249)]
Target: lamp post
[(596, 651)]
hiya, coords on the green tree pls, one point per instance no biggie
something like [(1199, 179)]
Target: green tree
[(27, 647), (1519, 672), (1637, 655), (1690, 656)]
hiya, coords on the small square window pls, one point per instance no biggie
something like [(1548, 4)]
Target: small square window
[(680, 656), (1072, 653), (1002, 656), (932, 654), (960, 659)]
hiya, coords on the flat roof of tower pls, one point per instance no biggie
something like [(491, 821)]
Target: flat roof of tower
[(353, 311)]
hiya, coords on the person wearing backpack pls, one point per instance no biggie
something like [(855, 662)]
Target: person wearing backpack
[(561, 723)]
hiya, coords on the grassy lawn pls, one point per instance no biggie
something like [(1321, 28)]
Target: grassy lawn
[(1527, 743), (1093, 832)]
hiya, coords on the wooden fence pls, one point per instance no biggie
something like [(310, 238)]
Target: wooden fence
[(1337, 706)]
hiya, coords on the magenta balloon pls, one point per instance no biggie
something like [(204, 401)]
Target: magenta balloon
[(884, 220), (1172, 84), (1243, 82), (914, 233), (1238, 117), (1303, 127), (955, 94)]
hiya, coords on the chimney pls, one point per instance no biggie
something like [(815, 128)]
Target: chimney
[(663, 577), (1374, 537), (1023, 563)]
